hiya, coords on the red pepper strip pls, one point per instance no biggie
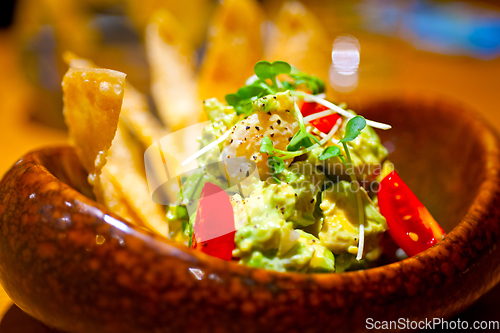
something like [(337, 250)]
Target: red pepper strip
[(214, 225), (410, 224), (324, 124)]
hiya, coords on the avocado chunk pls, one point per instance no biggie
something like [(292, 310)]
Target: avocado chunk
[(268, 239), (340, 230), (306, 180), (282, 101)]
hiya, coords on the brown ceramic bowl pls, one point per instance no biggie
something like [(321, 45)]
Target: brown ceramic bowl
[(74, 265)]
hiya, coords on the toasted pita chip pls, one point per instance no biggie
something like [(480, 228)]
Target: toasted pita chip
[(135, 113), (121, 186), (191, 14), (299, 38), (173, 83), (233, 48), (125, 190), (138, 119), (65, 19), (92, 104)]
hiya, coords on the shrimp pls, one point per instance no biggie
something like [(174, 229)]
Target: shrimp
[(246, 136)]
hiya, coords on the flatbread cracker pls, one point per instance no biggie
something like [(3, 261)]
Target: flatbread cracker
[(125, 190), (234, 46), (92, 105), (299, 38), (135, 113), (173, 83)]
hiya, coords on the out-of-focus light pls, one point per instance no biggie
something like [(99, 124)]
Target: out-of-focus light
[(345, 55), (345, 63), (198, 273)]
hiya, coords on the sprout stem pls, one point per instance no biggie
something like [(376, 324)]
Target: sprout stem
[(337, 109)]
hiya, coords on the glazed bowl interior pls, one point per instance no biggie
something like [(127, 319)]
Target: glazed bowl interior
[(436, 151)]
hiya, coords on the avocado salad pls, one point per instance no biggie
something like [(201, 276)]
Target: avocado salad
[(287, 180)]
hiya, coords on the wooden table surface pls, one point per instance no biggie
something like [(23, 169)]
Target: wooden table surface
[(388, 66)]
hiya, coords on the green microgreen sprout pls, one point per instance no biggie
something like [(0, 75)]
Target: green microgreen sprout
[(332, 151), (302, 138), (266, 70), (275, 162), (276, 166), (310, 82), (353, 128), (259, 86), (242, 100)]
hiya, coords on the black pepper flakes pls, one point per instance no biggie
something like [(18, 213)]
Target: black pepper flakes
[(269, 113), (312, 200), (247, 128), (231, 141), (272, 134), (257, 128), (289, 139), (279, 121), (248, 173)]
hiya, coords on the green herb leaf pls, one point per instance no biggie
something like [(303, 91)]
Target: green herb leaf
[(263, 70), (266, 88), (266, 146), (311, 82), (330, 152), (244, 108), (242, 100), (276, 164), (233, 99), (266, 70), (300, 139), (353, 128), (281, 67), (247, 92)]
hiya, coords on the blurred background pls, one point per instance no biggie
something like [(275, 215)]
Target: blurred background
[(363, 49)]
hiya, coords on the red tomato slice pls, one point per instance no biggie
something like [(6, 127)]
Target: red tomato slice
[(410, 224), (214, 228), (324, 124)]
